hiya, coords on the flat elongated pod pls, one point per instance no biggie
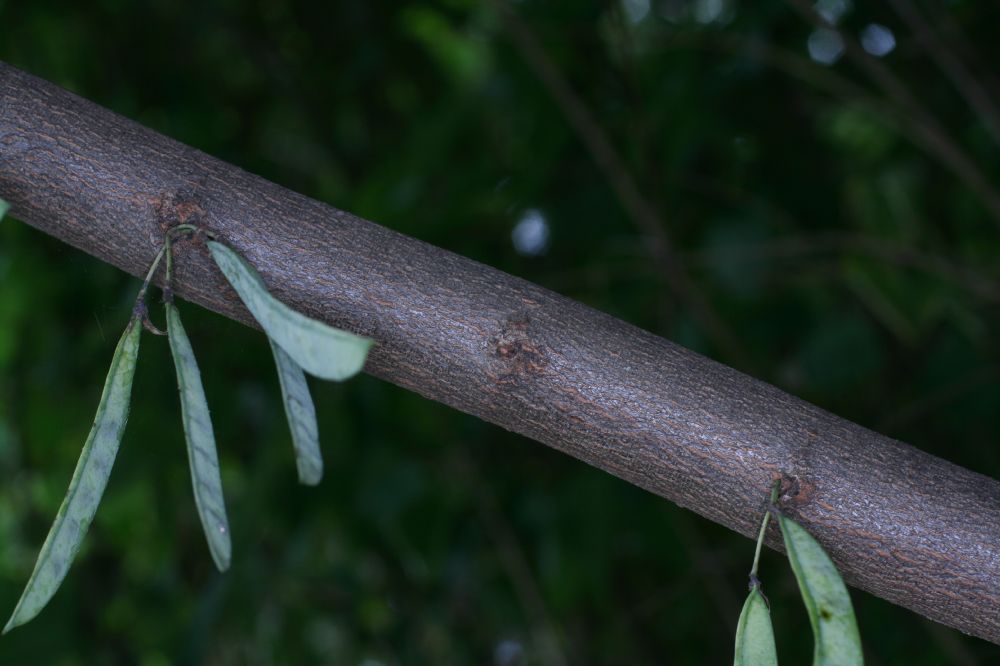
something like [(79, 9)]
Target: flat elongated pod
[(754, 634), (320, 350), (835, 630), (89, 481), (301, 416), (200, 442)]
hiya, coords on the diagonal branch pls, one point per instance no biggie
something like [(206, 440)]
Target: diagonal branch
[(902, 524)]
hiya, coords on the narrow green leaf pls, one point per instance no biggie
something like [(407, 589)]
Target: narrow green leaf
[(4, 207), (88, 483), (754, 634), (835, 630), (200, 442), (301, 416), (320, 350)]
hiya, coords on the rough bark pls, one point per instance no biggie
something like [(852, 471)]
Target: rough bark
[(902, 524)]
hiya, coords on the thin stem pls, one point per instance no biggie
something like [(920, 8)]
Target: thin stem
[(173, 231), (168, 286), (754, 581), (140, 299), (168, 291), (139, 310)]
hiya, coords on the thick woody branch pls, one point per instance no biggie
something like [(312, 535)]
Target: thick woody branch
[(900, 523)]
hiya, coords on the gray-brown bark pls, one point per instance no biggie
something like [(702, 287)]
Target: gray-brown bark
[(907, 526)]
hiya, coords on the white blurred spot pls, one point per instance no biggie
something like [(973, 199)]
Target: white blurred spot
[(825, 46), (878, 39), (507, 653), (708, 11), (635, 10), (833, 10), (531, 234)]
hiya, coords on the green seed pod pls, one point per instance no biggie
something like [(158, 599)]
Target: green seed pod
[(89, 481), (835, 629), (754, 634), (202, 454), (320, 350), (301, 417)]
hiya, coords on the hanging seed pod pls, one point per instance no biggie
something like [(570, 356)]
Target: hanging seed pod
[(319, 349), (88, 483), (301, 416), (202, 454), (835, 629), (754, 633)]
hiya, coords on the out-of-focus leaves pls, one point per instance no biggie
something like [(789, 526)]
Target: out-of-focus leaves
[(850, 338), (463, 56), (859, 134)]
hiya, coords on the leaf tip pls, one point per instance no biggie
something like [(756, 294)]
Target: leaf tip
[(16, 620), (364, 345), (222, 559), (310, 475)]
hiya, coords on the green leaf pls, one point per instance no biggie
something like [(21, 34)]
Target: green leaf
[(89, 481), (4, 207), (754, 634), (200, 442), (301, 416), (320, 350), (835, 630)]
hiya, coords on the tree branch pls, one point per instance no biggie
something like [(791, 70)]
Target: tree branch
[(900, 523)]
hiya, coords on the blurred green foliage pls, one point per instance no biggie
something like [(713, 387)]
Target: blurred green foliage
[(853, 265)]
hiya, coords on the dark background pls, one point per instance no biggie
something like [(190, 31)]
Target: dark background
[(853, 265)]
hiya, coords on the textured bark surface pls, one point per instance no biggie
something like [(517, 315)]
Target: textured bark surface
[(902, 524)]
